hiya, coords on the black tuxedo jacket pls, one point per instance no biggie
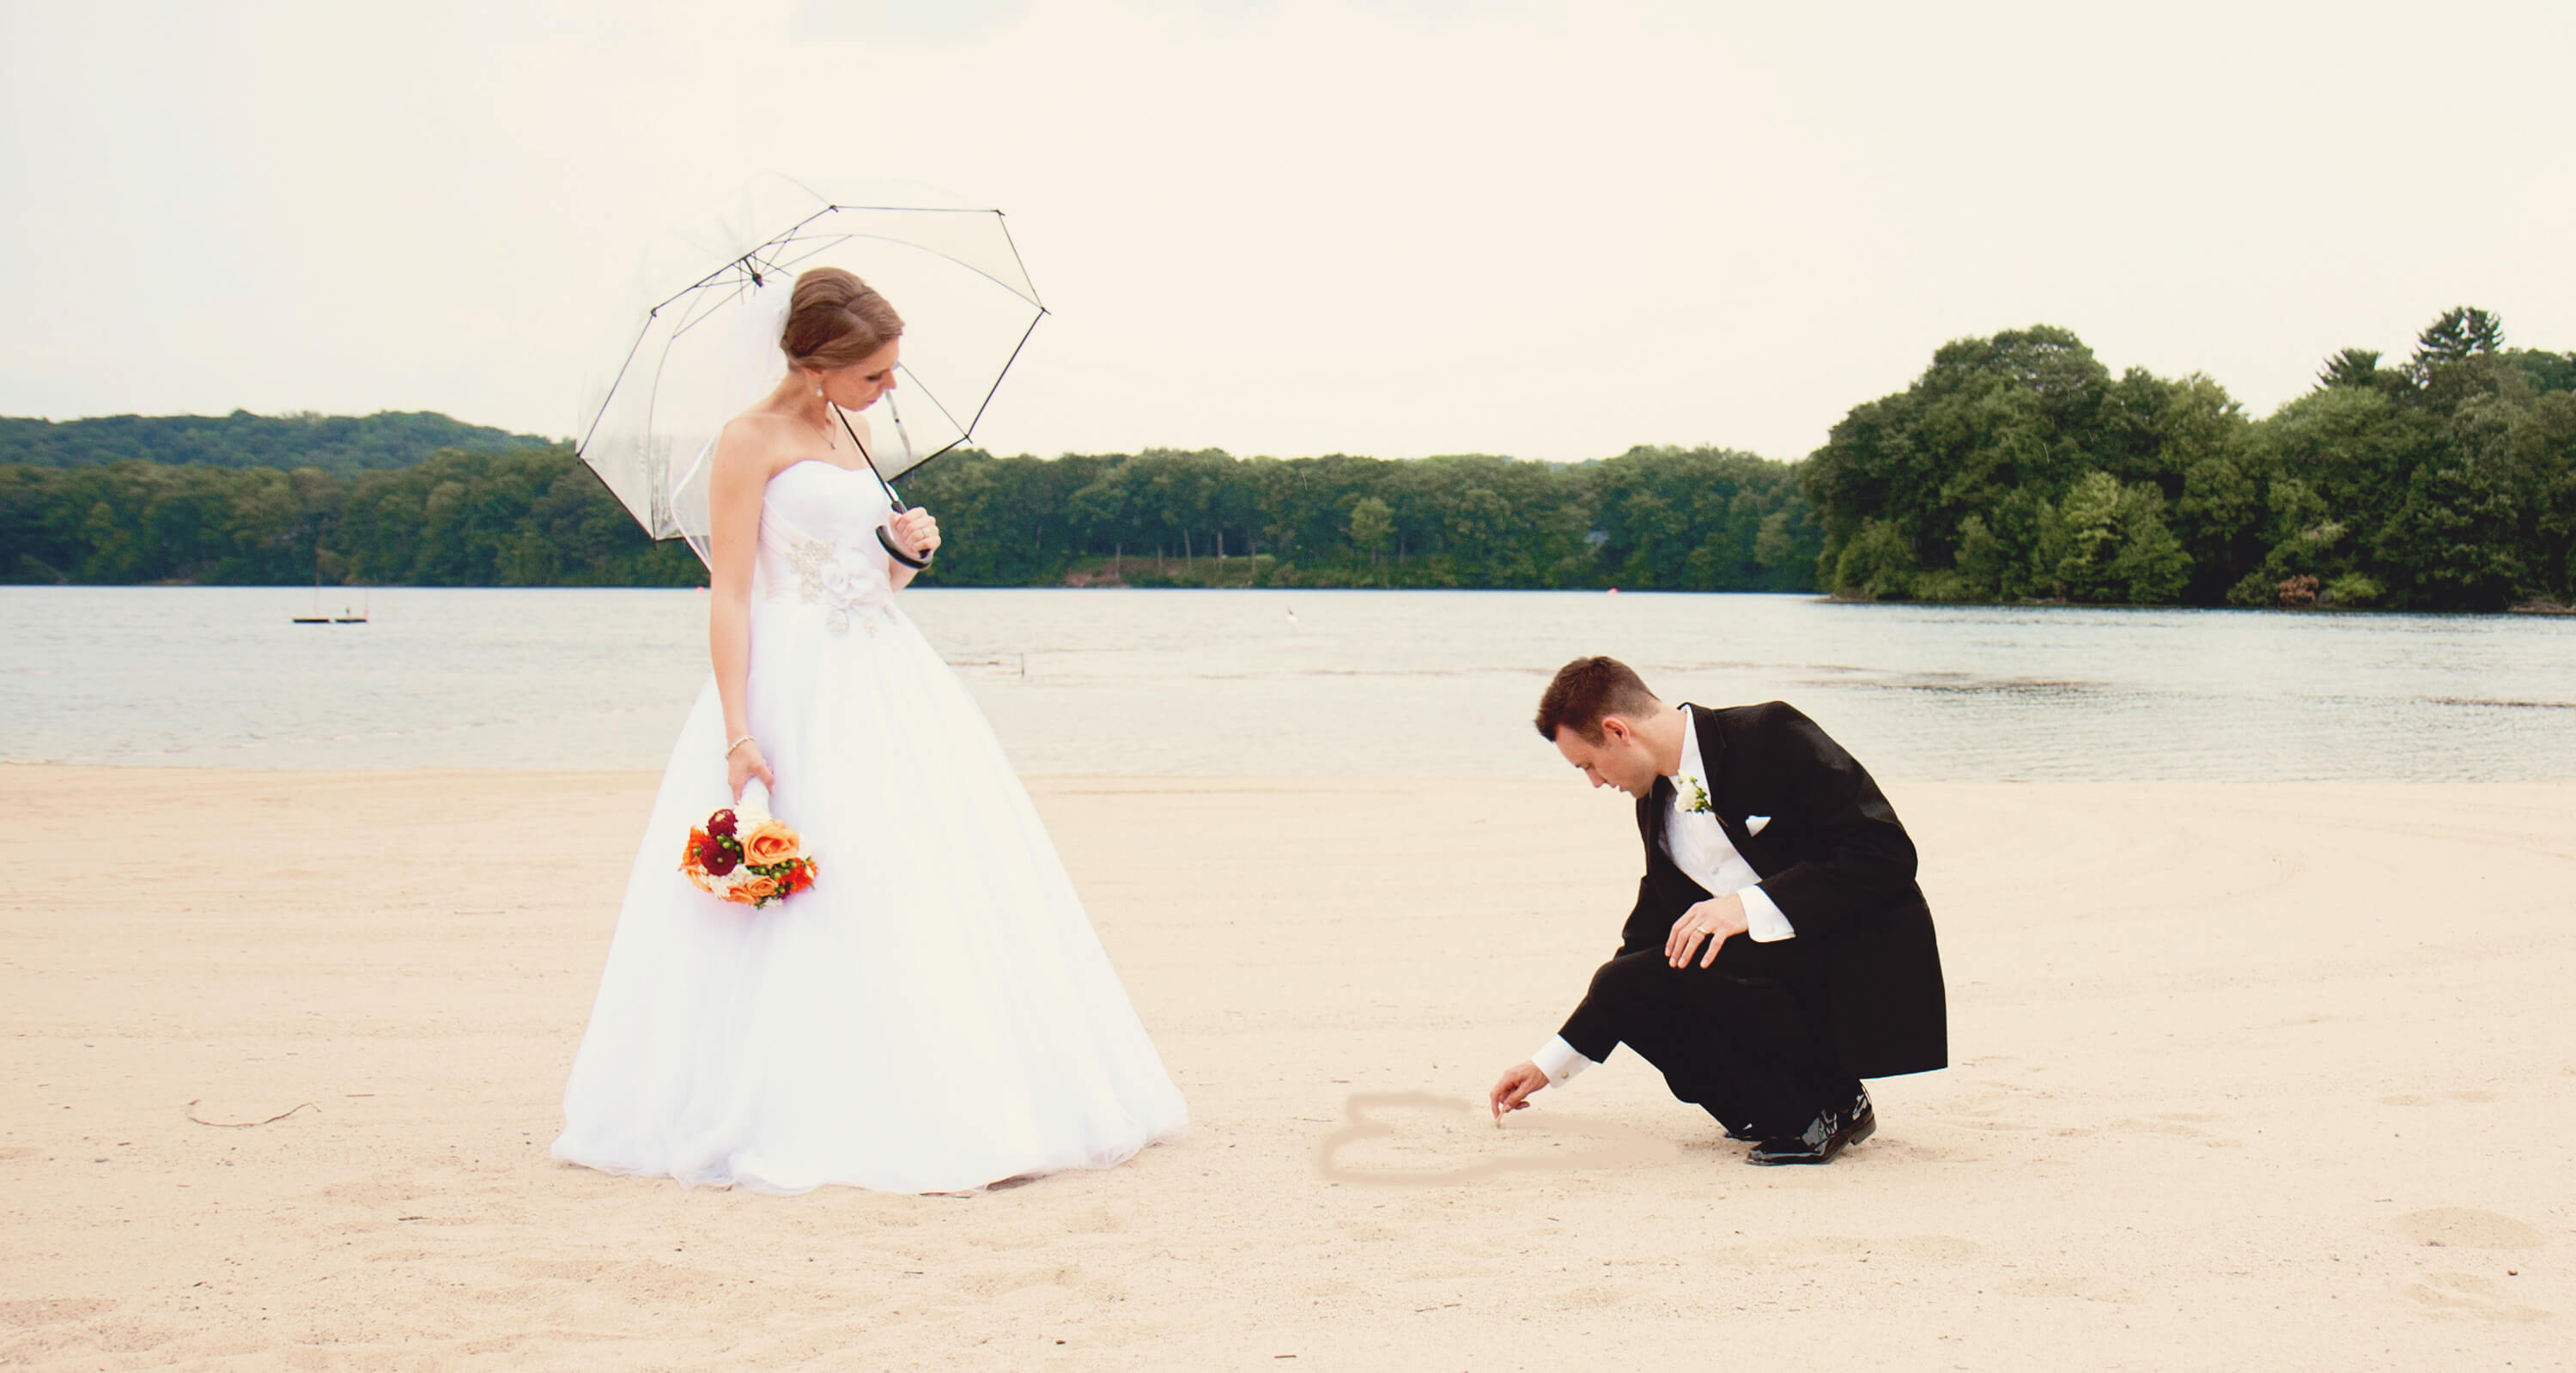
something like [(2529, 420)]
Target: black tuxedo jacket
[(1835, 860)]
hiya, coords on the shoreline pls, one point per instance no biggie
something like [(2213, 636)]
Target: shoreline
[(1079, 579)]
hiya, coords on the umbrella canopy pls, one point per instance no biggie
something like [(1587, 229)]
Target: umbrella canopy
[(708, 350)]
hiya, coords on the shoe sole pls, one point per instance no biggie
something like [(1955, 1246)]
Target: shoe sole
[(1793, 1160), (1810, 1160)]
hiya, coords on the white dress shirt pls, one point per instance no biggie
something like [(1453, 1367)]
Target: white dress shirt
[(1700, 848)]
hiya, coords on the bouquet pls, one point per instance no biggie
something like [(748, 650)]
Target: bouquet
[(745, 855)]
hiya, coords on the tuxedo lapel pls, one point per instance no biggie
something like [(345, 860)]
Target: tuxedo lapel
[(1661, 871), (1724, 795), (1712, 745), (1651, 811)]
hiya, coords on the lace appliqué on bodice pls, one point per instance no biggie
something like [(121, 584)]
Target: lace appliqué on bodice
[(824, 578), (818, 546)]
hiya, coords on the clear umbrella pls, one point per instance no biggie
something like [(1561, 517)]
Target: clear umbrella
[(708, 350)]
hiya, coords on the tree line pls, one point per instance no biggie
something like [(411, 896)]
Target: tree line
[(1695, 519), (333, 443), (1682, 519), (518, 517), (2015, 468)]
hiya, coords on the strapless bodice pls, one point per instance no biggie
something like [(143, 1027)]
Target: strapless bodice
[(818, 545)]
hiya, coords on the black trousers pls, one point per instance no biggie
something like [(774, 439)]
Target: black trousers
[(1749, 1045)]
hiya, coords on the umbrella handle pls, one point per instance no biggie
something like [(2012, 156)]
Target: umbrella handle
[(894, 551), (885, 540)]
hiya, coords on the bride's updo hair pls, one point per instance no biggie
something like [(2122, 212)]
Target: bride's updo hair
[(834, 320)]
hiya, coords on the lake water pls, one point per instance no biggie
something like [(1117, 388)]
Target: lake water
[(1284, 682)]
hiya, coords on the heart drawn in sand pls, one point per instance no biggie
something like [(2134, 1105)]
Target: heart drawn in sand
[(1416, 1139)]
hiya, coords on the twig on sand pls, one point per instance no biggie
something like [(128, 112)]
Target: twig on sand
[(191, 1112)]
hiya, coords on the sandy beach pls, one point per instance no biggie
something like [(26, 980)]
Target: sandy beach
[(2244, 1075)]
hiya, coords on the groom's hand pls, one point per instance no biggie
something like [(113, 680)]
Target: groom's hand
[(1716, 920), (1513, 1092)]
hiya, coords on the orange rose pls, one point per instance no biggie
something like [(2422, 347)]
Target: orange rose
[(768, 842), (757, 890)]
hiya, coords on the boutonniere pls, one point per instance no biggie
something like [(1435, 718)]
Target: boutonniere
[(1693, 797)]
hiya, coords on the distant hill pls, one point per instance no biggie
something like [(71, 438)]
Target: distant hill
[(343, 444)]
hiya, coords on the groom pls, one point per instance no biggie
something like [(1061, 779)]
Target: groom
[(1779, 950)]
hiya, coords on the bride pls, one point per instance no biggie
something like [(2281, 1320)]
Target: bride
[(935, 1014)]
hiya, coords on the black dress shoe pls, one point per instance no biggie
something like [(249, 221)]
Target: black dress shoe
[(1861, 1120), (1832, 1131)]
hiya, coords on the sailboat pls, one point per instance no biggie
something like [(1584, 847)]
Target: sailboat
[(317, 617)]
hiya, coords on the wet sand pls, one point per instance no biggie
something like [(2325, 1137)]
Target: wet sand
[(2244, 1075)]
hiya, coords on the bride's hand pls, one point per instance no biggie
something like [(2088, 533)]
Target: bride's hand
[(745, 763), (916, 530)]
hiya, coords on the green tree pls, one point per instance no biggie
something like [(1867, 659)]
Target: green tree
[(2023, 409), (1877, 564), (1372, 526), (2113, 547), (2350, 367), (2463, 332)]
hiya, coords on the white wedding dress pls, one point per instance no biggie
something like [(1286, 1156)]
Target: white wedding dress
[(935, 1014)]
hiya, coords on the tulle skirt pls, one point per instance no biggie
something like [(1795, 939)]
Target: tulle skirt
[(934, 1015)]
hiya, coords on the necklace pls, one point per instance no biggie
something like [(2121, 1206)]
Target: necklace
[(825, 424)]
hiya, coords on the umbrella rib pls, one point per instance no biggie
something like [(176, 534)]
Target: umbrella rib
[(613, 383), (1029, 295), (1014, 245), (996, 387), (602, 478), (791, 230), (936, 403), (700, 284), (658, 495), (743, 261), (693, 321)]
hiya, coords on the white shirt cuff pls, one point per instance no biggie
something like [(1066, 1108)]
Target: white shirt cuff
[(1763, 920), (1559, 1061)]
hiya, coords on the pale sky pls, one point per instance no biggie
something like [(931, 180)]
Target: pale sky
[(1395, 229)]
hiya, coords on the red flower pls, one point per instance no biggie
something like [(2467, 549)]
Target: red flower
[(720, 823), (716, 858)]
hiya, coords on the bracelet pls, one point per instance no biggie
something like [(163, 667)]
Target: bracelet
[(738, 743)]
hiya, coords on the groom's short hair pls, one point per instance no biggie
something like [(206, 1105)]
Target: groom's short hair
[(1587, 689)]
